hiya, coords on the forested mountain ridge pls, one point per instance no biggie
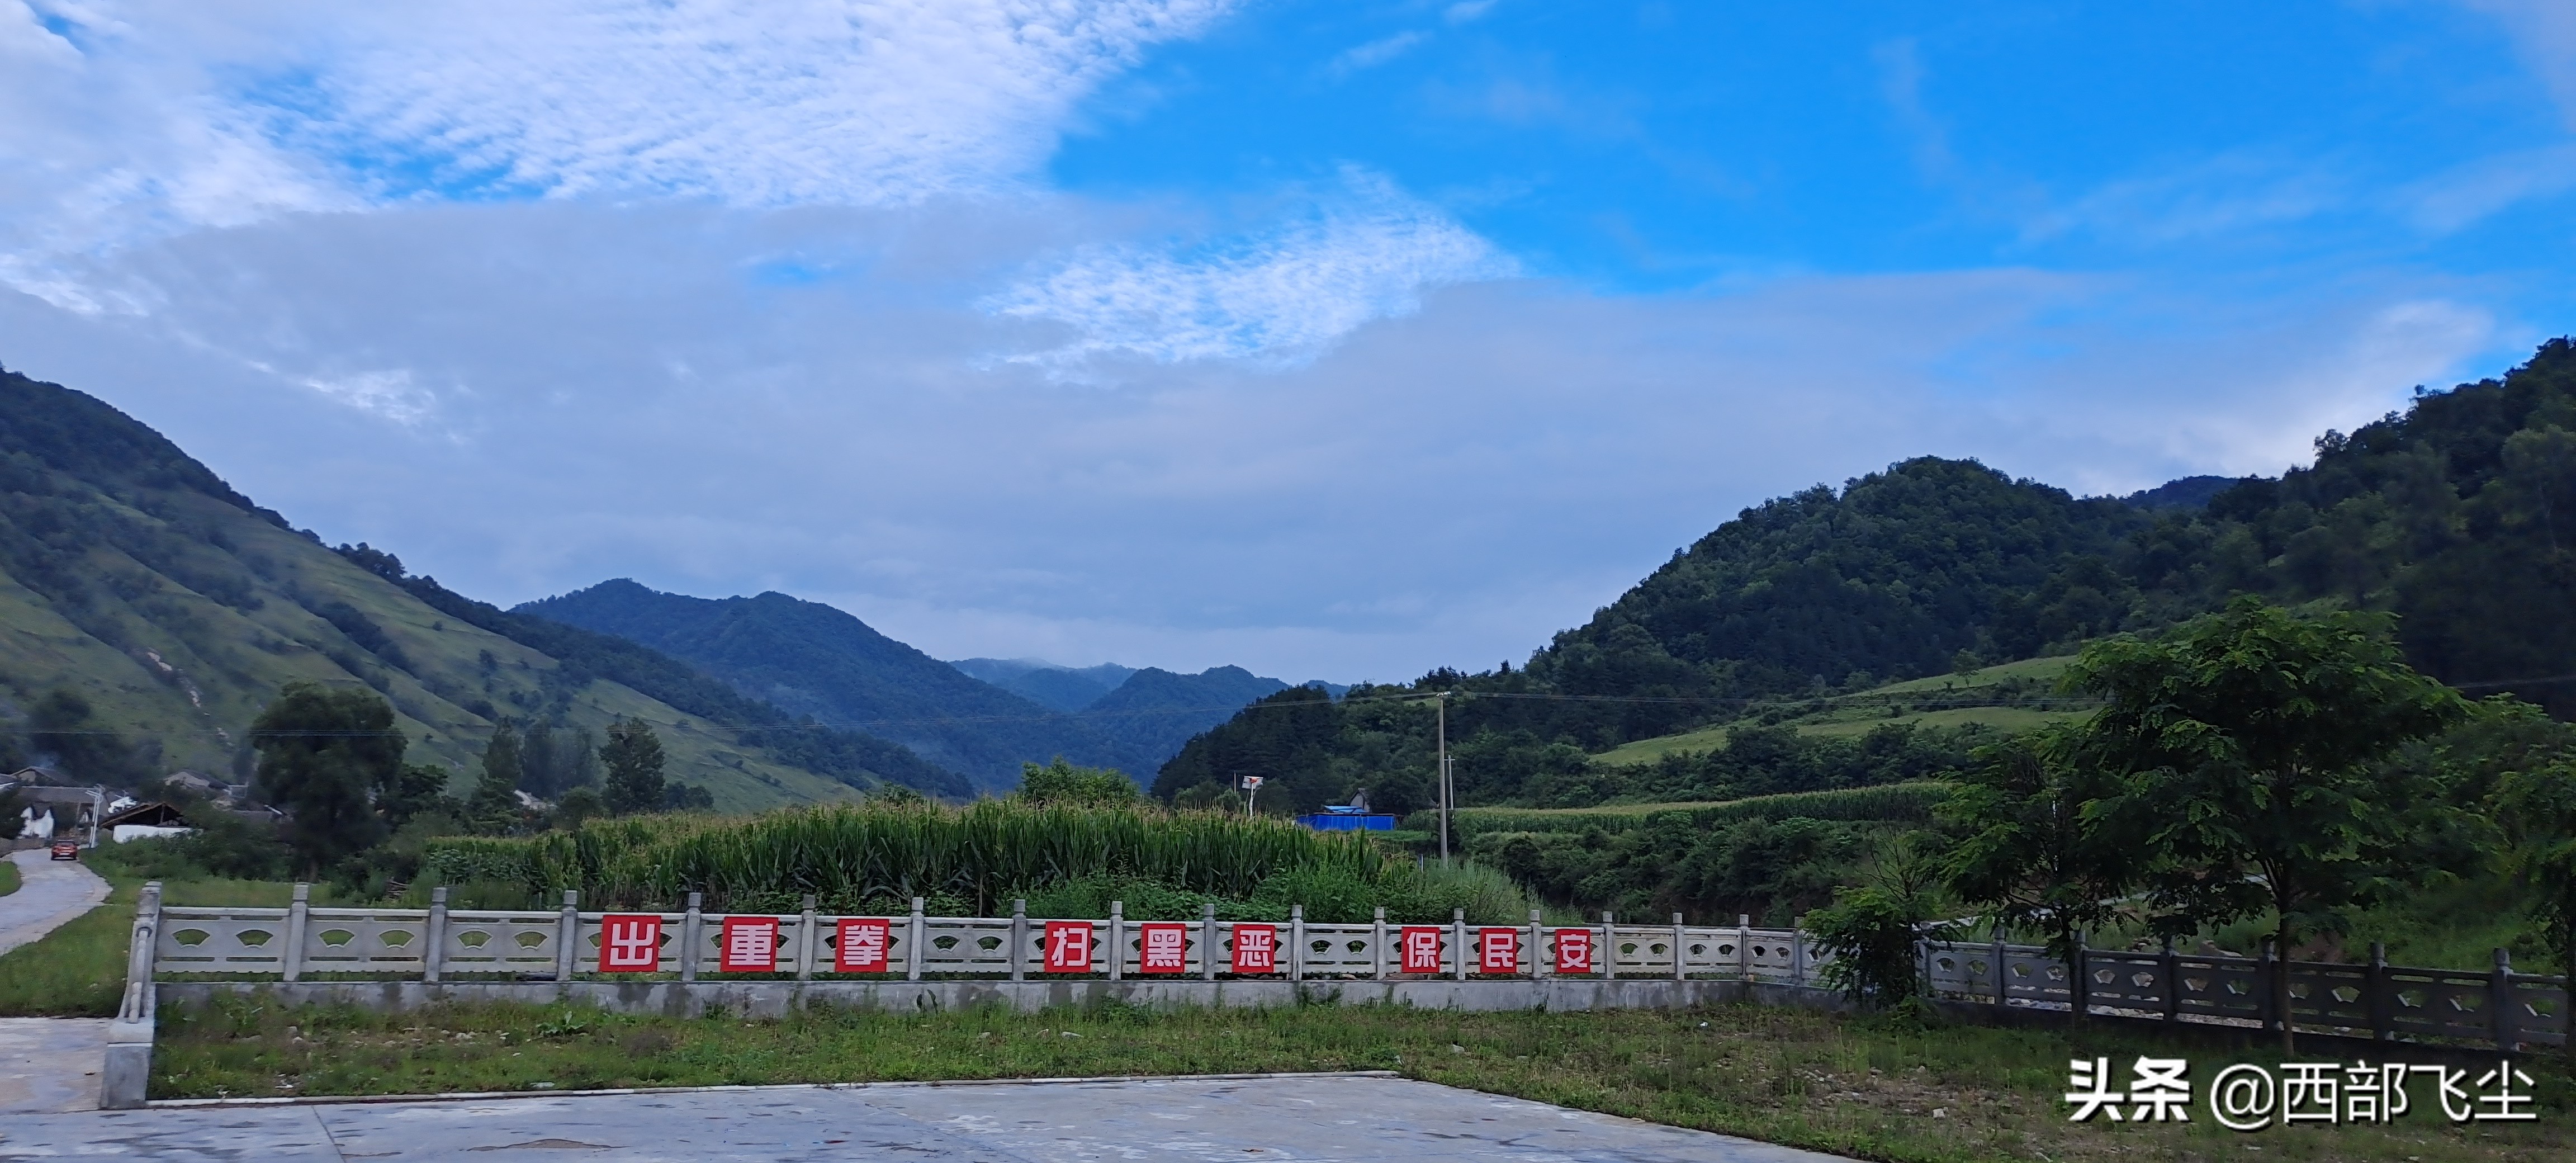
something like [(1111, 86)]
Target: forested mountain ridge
[(817, 660), (2458, 515), (170, 609)]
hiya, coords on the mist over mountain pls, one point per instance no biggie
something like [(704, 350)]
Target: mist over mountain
[(1065, 688)]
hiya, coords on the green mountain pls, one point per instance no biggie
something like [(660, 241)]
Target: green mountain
[(816, 660), (1061, 688), (1156, 710), (169, 609), (2445, 515)]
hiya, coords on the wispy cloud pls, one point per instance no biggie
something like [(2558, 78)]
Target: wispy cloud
[(1282, 295), (2545, 32), (2466, 194), (2214, 196), (1375, 53), (1467, 11)]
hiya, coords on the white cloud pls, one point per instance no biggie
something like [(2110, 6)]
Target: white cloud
[(1281, 295), (2219, 195), (2465, 194), (1467, 11), (1375, 52), (122, 121), (388, 393), (2545, 31)]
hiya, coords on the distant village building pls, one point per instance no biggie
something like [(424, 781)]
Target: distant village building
[(145, 822)]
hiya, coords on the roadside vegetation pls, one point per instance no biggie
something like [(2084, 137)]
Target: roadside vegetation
[(1872, 1088), (8, 877)]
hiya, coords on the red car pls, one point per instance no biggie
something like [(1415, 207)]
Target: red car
[(66, 849)]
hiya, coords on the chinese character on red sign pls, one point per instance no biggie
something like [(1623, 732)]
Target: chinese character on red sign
[(1498, 950), (750, 945), (630, 943), (1421, 949), (1574, 950), (863, 944), (1165, 949), (1068, 947), (1256, 949)]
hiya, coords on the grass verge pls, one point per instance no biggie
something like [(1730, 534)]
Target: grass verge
[(78, 970), (8, 877), (1868, 1088)]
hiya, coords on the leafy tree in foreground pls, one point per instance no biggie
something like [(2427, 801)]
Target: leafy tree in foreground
[(2249, 746), (633, 759), (2028, 854), (1063, 783), (326, 755), (1872, 929), (2538, 810)]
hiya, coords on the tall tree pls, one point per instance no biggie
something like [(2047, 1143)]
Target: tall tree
[(2248, 745), (633, 757), (2028, 854), (325, 756), (495, 804)]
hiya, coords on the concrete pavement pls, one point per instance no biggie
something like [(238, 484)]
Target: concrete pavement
[(1308, 1119), (50, 893)]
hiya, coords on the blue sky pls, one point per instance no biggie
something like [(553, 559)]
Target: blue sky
[(1332, 340)]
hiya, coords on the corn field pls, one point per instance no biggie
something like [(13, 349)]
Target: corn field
[(976, 856)]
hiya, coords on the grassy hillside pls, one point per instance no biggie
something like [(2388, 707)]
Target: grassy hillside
[(1914, 703), (132, 577)]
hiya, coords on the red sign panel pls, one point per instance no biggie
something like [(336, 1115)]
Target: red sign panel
[(1574, 950), (1498, 950), (862, 945), (630, 943), (1421, 946), (1165, 948), (750, 945), (1068, 946), (1256, 949)]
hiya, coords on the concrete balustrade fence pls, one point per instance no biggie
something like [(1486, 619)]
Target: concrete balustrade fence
[(690, 961)]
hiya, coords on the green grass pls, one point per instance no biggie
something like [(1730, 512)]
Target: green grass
[(1867, 711), (1904, 802), (8, 877), (78, 970), (1861, 1087)]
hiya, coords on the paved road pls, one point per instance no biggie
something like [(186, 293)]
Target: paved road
[(1325, 1119), (50, 893)]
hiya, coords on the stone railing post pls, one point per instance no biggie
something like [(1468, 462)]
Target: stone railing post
[(1537, 943), (2263, 971), (1208, 944), (2169, 979), (1798, 949), (1117, 940), (125, 1074), (809, 940), (299, 914), (1377, 945), (1458, 943), (433, 954), (2500, 1003), (912, 943), (2079, 979), (1999, 962), (2381, 999), (692, 932), (1296, 942), (568, 936), (1681, 966), (1744, 946), (1609, 952), (1020, 940)]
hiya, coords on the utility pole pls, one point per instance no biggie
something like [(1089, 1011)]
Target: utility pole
[(1444, 779)]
